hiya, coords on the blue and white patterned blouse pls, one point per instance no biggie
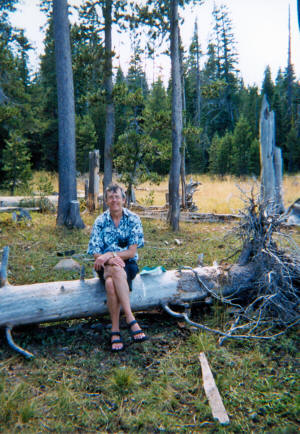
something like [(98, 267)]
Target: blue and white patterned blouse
[(105, 237)]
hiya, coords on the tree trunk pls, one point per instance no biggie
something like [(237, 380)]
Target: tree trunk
[(66, 117), (93, 190), (198, 82), (108, 84), (183, 148), (271, 163), (55, 301), (174, 178)]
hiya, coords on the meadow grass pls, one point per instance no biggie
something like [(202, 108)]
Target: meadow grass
[(75, 385), (214, 194)]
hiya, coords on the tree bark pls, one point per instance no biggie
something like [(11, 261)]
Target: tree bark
[(55, 301), (183, 147), (66, 117), (271, 162), (110, 112), (198, 82), (93, 190), (174, 178)]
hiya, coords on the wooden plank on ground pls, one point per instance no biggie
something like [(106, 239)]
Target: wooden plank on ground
[(212, 392)]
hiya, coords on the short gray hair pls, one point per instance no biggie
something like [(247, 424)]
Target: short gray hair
[(114, 188)]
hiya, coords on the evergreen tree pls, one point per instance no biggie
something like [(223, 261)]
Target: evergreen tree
[(293, 150), (136, 77), (254, 159), (46, 81), (163, 16), (249, 107), (66, 119), (135, 152), (268, 85), (284, 116), (86, 140), (241, 143), (219, 89), (120, 92), (157, 123), (220, 154), (16, 162), (15, 98), (192, 81)]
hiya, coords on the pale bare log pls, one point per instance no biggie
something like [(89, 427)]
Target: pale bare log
[(20, 201), (54, 301)]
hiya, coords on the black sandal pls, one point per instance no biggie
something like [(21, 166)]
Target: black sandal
[(116, 341), (136, 332)]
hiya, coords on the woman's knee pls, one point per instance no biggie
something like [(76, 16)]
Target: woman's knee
[(118, 273), (109, 286)]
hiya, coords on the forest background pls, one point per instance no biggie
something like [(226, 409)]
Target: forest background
[(221, 114)]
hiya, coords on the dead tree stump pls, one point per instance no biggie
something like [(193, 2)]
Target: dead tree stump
[(271, 162)]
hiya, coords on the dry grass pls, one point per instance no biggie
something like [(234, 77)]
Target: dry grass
[(220, 195), (217, 195)]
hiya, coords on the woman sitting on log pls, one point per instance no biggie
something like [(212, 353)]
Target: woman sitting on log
[(116, 235)]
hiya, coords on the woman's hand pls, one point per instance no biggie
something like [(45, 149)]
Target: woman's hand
[(101, 260), (116, 260)]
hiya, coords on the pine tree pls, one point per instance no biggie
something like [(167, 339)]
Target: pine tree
[(220, 154), (136, 152), (293, 150), (268, 85), (66, 214), (249, 107), (220, 88), (16, 162), (15, 96), (163, 18), (192, 81), (157, 123), (46, 80), (241, 143), (86, 140), (136, 77)]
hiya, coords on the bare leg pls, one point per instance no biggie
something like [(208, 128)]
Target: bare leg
[(119, 278), (113, 305)]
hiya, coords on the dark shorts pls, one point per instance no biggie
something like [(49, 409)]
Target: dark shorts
[(131, 268)]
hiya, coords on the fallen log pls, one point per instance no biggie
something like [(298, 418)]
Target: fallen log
[(55, 301), (19, 201), (17, 208), (191, 217)]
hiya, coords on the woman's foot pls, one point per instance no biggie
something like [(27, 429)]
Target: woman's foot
[(136, 332), (116, 342)]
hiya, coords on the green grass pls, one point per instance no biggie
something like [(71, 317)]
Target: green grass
[(76, 385)]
